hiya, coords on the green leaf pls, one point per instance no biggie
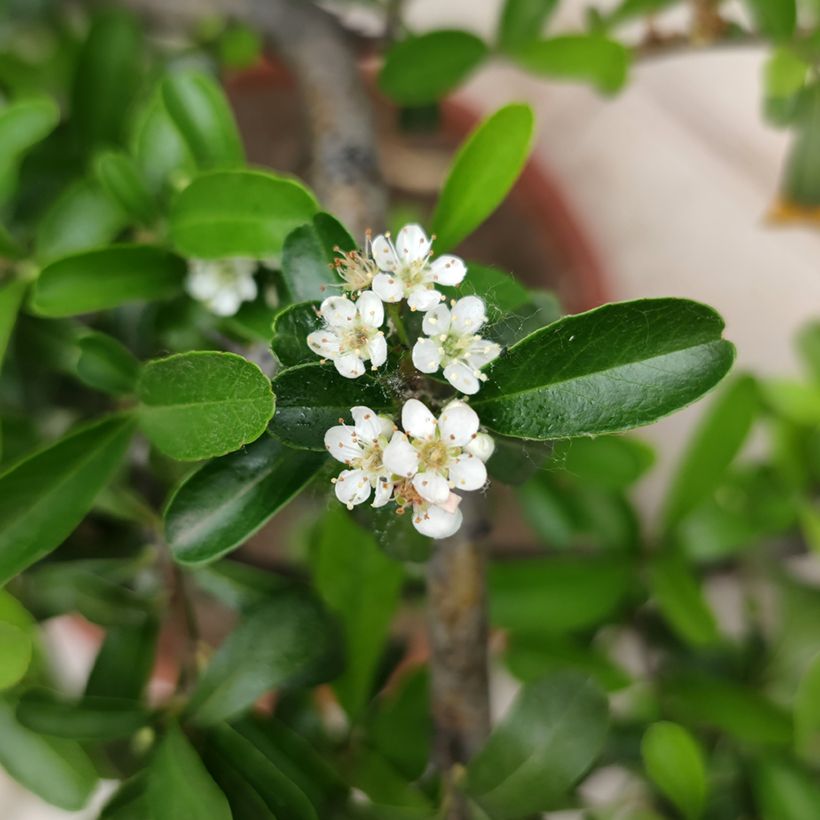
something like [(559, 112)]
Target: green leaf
[(796, 401), (502, 293), (421, 70), (45, 496), (55, 769), (225, 502), (287, 641), (106, 364), (522, 21), (130, 801), (108, 71), (11, 297), (238, 213), (674, 762), (775, 18), (808, 345), (313, 397), (239, 586), (82, 217), (201, 112), (120, 178), (125, 661), (291, 327), (179, 785), (629, 9), (784, 77), (721, 432), (609, 462), (611, 369), (679, 597), (482, 174), (89, 719), (306, 267), (240, 47), (801, 176), (807, 714), (333, 235), (201, 405), (15, 654), (361, 585), (555, 595), (552, 734), (588, 58), (783, 791), (107, 278), (23, 124)]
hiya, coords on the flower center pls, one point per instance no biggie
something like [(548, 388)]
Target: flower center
[(355, 339), (455, 346), (371, 460), (356, 269), (405, 493), (413, 274), (433, 454)]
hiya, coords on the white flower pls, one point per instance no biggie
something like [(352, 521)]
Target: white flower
[(222, 284), (361, 447), (433, 457), (356, 268), (454, 345), (408, 272), (351, 333)]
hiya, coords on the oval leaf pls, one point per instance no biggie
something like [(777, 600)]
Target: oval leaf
[(522, 21), (306, 265), (24, 123), (201, 405), (291, 327), (614, 368), (222, 505), (118, 175), (483, 171), (106, 364), (15, 654)]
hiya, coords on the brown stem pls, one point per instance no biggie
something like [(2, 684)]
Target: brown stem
[(457, 622)]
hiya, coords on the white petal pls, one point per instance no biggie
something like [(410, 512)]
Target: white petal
[(352, 487), (340, 442), (417, 420), (202, 282), (482, 446), (367, 423), (370, 308), (468, 315), (462, 378), (412, 243), (400, 457), (387, 287), (246, 287), (432, 487), (338, 311), (467, 472), (242, 266), (377, 350), (225, 303), (427, 355), (436, 321), (324, 343), (423, 298), (481, 352), (384, 489), (435, 522), (384, 253), (458, 423), (448, 270), (386, 426), (350, 365)]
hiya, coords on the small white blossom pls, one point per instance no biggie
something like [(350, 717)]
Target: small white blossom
[(356, 268), (222, 284), (360, 447), (351, 333), (408, 273), (454, 345)]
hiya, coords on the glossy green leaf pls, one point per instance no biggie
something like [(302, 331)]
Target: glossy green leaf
[(291, 327), (807, 714), (482, 174), (201, 404), (552, 734), (44, 497), (609, 462), (130, 801), (522, 21), (106, 278), (125, 661), (335, 238), (361, 585), (107, 74), (180, 786), (55, 769), (775, 18), (11, 297), (238, 213), (611, 369), (721, 433), (287, 641), (311, 398), (422, 69), (783, 791), (674, 762), (225, 502), (306, 266), (201, 112), (389, 793), (555, 595), (84, 216), (15, 653), (106, 364), (92, 718), (588, 58), (120, 178)]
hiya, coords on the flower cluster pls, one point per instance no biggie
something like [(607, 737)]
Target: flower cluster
[(416, 467), (222, 285), (388, 272)]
